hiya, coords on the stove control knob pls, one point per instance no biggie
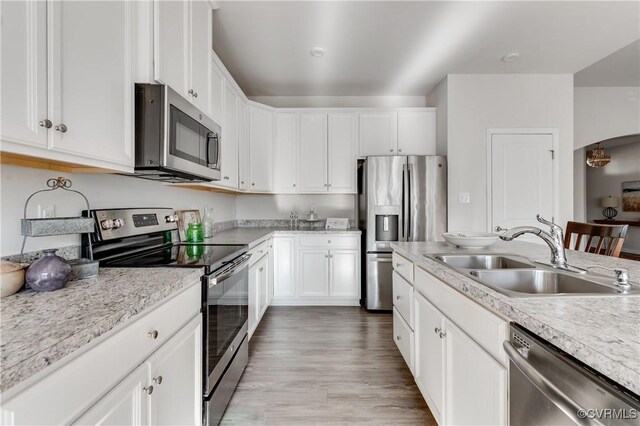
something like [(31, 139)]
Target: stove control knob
[(171, 218), (118, 223), (106, 224)]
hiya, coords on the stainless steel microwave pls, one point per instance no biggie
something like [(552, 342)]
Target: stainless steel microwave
[(175, 141)]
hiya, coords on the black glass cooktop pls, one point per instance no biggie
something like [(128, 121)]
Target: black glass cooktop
[(183, 255)]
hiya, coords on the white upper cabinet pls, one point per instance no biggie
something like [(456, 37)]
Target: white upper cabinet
[(260, 148), (171, 46), (417, 132), (230, 133), (200, 38), (92, 88), (378, 133), (24, 72), (313, 152), (285, 151), (216, 88), (243, 145), (342, 142)]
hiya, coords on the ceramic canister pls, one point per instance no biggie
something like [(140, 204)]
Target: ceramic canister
[(50, 272)]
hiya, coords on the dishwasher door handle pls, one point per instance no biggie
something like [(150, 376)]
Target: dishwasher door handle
[(546, 386)]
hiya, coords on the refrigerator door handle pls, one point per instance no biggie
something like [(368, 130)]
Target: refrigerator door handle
[(405, 202)]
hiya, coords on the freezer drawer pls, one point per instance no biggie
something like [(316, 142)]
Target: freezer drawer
[(379, 282)]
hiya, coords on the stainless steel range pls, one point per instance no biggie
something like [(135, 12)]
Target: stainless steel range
[(146, 237)]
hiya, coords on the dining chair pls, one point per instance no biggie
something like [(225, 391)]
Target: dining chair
[(606, 240)]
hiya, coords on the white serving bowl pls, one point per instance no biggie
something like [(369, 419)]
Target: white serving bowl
[(473, 240)]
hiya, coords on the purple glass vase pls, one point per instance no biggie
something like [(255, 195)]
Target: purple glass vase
[(50, 272)]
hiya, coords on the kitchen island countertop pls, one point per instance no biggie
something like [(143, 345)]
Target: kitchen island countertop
[(602, 332), (254, 236)]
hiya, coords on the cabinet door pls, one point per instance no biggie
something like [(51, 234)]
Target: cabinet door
[(260, 148), (243, 145), (126, 404), (229, 153), (91, 85), (343, 273), (216, 90), (429, 354), (475, 383), (284, 271), (313, 153), (342, 141), (254, 281), (176, 376), (378, 133), (171, 44), (417, 133), (24, 72), (286, 150), (200, 53), (314, 273), (263, 292)]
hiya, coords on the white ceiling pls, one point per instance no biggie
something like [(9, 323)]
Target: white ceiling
[(620, 69), (406, 48)]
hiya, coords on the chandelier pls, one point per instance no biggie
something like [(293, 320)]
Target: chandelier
[(597, 157)]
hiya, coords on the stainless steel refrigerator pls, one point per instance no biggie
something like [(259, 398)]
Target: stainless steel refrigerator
[(399, 199)]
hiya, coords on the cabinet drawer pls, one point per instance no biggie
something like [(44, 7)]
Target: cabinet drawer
[(258, 251), (403, 266), (403, 336), (330, 241), (78, 383), (484, 327), (403, 298)]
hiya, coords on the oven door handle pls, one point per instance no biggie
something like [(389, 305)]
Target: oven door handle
[(239, 265), (560, 399)]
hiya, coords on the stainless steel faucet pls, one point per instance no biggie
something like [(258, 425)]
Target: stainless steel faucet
[(554, 239)]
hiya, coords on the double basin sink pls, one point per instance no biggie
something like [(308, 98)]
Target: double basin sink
[(516, 276)]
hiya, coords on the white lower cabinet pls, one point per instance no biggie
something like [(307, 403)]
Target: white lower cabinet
[(454, 351), (284, 266), (258, 286), (314, 272)]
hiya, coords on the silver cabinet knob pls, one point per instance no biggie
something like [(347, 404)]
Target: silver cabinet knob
[(195, 94), (191, 92), (153, 334), (326, 256), (437, 330), (442, 334), (253, 184), (398, 265), (148, 390), (46, 123), (294, 185), (329, 185), (261, 269), (242, 182), (399, 150), (329, 241), (397, 297), (62, 128), (391, 150), (397, 337), (226, 178), (158, 380)]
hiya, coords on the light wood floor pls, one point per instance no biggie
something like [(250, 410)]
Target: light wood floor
[(326, 365)]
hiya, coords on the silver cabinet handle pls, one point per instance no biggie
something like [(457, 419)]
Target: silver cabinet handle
[(398, 265), (158, 379), (442, 334), (191, 92), (326, 256), (397, 297), (195, 94), (148, 390), (62, 128), (153, 334), (437, 330), (397, 337), (242, 182), (226, 178), (391, 150), (46, 123)]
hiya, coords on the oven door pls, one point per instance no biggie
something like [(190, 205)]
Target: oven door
[(225, 314), (193, 140)]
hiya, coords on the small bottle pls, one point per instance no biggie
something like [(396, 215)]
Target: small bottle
[(207, 222), (194, 233)]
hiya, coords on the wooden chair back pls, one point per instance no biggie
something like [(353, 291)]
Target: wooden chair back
[(606, 240)]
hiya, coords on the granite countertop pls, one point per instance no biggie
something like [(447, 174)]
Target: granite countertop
[(602, 332), (254, 236), (39, 329)]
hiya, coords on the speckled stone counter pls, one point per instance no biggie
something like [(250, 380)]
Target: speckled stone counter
[(254, 236), (602, 332), (38, 329)]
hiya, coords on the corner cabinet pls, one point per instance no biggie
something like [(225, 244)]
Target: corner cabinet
[(149, 371), (67, 86), (261, 131), (230, 138), (454, 348)]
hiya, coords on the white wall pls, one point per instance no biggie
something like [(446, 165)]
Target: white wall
[(253, 206), (605, 112), (438, 99), (607, 180), (479, 102), (340, 101), (102, 190)]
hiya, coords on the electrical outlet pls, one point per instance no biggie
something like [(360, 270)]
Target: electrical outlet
[(464, 198)]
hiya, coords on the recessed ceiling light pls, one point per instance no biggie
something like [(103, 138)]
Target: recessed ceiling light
[(510, 57), (317, 52)]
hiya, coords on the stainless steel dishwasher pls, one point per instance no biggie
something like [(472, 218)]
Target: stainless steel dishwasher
[(548, 387)]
